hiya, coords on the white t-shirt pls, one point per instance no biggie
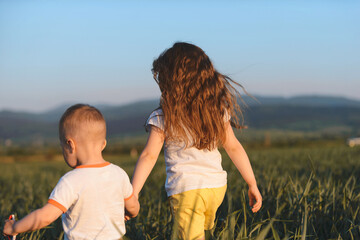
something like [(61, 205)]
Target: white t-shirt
[(188, 168), (92, 198)]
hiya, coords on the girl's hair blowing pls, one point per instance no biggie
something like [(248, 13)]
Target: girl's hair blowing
[(195, 98)]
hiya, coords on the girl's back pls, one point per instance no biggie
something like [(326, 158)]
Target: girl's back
[(188, 167)]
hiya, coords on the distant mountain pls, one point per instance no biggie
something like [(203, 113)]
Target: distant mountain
[(303, 118), (121, 120), (25, 127), (313, 101), (303, 113)]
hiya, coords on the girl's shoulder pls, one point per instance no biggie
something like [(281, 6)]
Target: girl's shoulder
[(157, 112), (156, 119)]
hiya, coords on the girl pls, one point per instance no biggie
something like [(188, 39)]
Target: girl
[(193, 119)]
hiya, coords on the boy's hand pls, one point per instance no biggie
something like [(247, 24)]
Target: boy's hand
[(255, 199), (8, 227)]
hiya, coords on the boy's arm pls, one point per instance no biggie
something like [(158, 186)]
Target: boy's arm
[(147, 159), (35, 220), (132, 207), (240, 159)]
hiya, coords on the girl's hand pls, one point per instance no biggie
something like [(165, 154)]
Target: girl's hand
[(255, 199), (9, 227), (127, 217)]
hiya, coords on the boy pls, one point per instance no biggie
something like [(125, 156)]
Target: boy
[(92, 197)]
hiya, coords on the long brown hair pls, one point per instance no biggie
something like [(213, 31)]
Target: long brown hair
[(195, 98)]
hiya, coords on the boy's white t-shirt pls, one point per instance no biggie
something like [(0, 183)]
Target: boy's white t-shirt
[(92, 198), (188, 168)]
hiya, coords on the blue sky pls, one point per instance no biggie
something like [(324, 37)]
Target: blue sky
[(55, 52)]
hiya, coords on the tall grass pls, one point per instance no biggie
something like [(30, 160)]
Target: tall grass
[(308, 193)]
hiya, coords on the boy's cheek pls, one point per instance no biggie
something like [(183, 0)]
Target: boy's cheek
[(70, 160)]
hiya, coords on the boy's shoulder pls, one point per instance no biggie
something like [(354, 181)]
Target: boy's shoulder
[(117, 169), (82, 172)]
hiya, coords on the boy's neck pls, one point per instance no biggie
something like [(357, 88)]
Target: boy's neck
[(95, 165), (89, 153), (90, 161)]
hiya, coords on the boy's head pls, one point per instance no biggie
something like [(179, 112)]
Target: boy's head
[(82, 126)]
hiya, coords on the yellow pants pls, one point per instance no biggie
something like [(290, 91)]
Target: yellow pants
[(194, 211)]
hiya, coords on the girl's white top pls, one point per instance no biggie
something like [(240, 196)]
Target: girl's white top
[(188, 168)]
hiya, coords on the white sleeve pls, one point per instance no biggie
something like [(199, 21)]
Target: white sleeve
[(156, 119), (127, 187), (227, 116), (62, 195)]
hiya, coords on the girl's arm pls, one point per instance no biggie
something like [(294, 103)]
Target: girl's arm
[(240, 159), (147, 159), (35, 220)]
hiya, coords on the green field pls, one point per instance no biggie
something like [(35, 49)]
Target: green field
[(310, 191)]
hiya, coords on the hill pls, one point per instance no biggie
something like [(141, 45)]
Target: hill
[(303, 113)]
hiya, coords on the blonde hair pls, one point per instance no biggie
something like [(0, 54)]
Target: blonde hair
[(78, 115), (195, 98)]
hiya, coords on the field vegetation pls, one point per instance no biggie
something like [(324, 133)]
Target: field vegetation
[(310, 188)]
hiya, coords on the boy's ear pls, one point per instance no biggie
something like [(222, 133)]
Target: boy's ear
[(104, 145), (71, 145)]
